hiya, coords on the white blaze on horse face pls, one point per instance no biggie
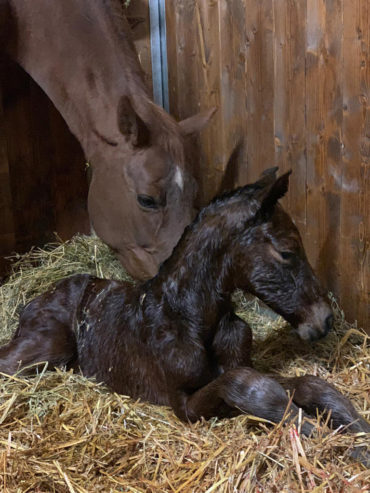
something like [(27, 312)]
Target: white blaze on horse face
[(179, 180)]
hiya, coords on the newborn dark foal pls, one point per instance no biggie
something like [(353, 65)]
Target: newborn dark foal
[(175, 339)]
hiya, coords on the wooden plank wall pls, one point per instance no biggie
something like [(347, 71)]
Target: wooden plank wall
[(291, 80), (43, 186)]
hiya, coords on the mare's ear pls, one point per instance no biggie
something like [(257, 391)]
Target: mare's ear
[(196, 123), (131, 125), (273, 191)]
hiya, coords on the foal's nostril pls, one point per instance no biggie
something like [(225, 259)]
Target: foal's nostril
[(329, 323)]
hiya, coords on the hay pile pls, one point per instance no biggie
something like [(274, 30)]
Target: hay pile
[(36, 271), (61, 432)]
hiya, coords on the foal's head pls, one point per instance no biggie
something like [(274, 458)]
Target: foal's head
[(268, 255)]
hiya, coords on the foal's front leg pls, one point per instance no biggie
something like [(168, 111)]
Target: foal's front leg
[(240, 390), (232, 342), (45, 331), (315, 395)]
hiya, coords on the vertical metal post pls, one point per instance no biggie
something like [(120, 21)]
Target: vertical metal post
[(158, 42)]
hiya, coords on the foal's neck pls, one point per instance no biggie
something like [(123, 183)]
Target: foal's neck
[(196, 282)]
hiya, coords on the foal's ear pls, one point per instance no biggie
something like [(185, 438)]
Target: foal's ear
[(267, 178), (131, 125), (271, 193), (196, 123)]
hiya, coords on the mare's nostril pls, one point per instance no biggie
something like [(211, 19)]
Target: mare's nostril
[(329, 323)]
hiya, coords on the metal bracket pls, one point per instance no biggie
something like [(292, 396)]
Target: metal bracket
[(158, 42)]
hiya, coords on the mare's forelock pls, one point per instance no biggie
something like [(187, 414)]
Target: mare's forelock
[(164, 130)]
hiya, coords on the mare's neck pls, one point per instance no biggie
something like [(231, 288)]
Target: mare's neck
[(195, 283), (82, 61)]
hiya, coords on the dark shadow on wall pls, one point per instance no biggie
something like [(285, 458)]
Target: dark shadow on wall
[(43, 184)]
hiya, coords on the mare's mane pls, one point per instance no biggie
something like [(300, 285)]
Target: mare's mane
[(164, 130)]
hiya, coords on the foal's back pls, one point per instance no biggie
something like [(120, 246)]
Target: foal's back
[(116, 341), (97, 326)]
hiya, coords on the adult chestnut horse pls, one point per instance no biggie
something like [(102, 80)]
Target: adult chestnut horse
[(175, 339), (81, 54)]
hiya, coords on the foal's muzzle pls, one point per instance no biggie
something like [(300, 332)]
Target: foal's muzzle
[(317, 323)]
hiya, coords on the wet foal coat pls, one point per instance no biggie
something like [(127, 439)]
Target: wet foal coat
[(175, 339), (81, 54)]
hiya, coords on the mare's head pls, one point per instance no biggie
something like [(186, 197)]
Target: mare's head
[(141, 200), (268, 257), (81, 53)]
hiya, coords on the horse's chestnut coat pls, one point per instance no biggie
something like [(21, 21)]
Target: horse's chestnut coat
[(80, 52)]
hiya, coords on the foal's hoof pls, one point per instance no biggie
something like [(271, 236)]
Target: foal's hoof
[(307, 429), (361, 454)]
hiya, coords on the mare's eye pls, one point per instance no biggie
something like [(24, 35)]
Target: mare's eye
[(147, 201), (287, 255)]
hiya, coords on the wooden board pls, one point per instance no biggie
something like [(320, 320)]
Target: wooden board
[(34, 162), (291, 82), (355, 203)]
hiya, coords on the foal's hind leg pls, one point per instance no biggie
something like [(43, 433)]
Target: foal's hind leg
[(55, 345), (45, 331)]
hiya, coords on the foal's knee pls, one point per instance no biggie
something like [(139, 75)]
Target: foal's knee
[(256, 394), (261, 395)]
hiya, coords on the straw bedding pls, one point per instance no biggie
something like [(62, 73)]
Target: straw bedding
[(61, 432)]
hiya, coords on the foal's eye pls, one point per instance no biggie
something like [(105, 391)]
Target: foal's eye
[(287, 255), (147, 201)]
